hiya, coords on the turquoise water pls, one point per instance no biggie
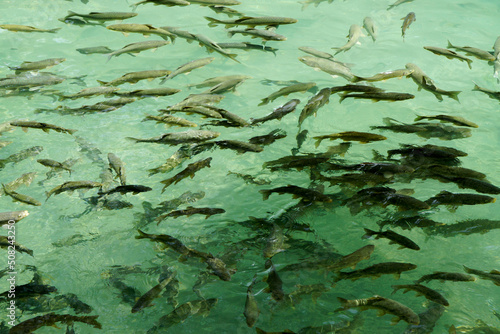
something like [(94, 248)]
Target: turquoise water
[(109, 235)]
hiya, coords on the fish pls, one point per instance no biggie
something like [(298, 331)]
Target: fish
[(24, 179), (268, 21), (23, 28), (189, 171), (251, 311), (21, 155), (39, 125), (117, 165), (212, 46), (496, 48), (448, 198), (328, 66), (408, 20), (377, 270), (356, 88), (285, 91), (232, 118), (225, 10), (407, 223), (248, 46), (170, 120), (30, 80), (250, 178), (189, 37), (316, 53), (225, 86), (370, 27), (470, 51), (422, 290), (274, 282), (315, 290), (50, 319), (425, 130), (210, 82), (275, 242), (216, 2), (168, 3), (383, 196), (380, 168), (54, 164), (491, 93), (493, 275), (448, 54), (397, 3), (352, 259), (423, 81), (382, 96), (239, 146), (169, 241), (37, 65), (145, 29), (20, 197), (466, 227), (8, 243), (94, 49), (268, 139), (446, 276), (128, 188), (102, 16), (480, 186), (138, 47), (189, 211), (91, 92), (428, 320), (146, 299), (265, 34), (73, 185), (312, 106), (135, 77), (385, 75), (457, 120), (354, 34), (496, 69), (161, 91), (188, 67), (304, 193), (6, 217), (175, 138), (362, 137), (384, 305), (394, 238)]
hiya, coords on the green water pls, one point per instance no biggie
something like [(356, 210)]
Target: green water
[(110, 235)]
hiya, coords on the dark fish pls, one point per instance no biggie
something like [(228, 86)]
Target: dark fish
[(50, 319), (175, 244), (304, 193), (448, 198), (312, 106), (128, 188), (274, 282), (275, 242), (117, 165), (467, 227), (6, 243), (380, 168), (239, 146), (446, 276), (189, 211), (298, 161), (175, 138), (152, 92), (448, 54), (457, 120), (278, 113), (351, 260), (146, 299), (493, 275), (422, 290), (268, 139), (54, 164), (407, 223), (428, 320), (39, 125), (377, 270), (73, 185), (247, 46), (94, 49), (362, 137), (251, 311), (380, 96), (189, 171), (20, 197), (394, 238), (285, 91), (385, 305), (472, 183), (355, 88)]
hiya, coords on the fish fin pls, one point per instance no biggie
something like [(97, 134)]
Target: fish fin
[(395, 321), (495, 272), (397, 276)]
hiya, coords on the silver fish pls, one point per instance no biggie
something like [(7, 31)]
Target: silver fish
[(354, 34), (188, 67), (138, 47)]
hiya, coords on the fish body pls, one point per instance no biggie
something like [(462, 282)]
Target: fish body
[(54, 164), (422, 290), (145, 29), (423, 81), (317, 101), (408, 20), (30, 80), (117, 165), (225, 86), (137, 47), (134, 77), (188, 67), (268, 139), (446, 276), (20, 197), (448, 198), (265, 34), (94, 49), (103, 16), (168, 3), (219, 9), (278, 113), (251, 311), (175, 138), (128, 188), (212, 46), (217, 80), (146, 299), (470, 51), (232, 118), (37, 65), (380, 96), (7, 243), (491, 93), (328, 66), (189, 171), (90, 92), (385, 305), (493, 275), (6, 217), (428, 320), (216, 2), (23, 28), (274, 282), (247, 46), (370, 27), (316, 53), (362, 137), (377, 270), (354, 34), (170, 120), (275, 243), (394, 237), (73, 185), (397, 3), (189, 211), (269, 21), (457, 120), (50, 319), (206, 111), (385, 75), (239, 146), (448, 54), (175, 244), (195, 100), (351, 260), (304, 193), (155, 92), (285, 91)]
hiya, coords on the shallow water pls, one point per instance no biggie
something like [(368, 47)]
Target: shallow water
[(109, 235)]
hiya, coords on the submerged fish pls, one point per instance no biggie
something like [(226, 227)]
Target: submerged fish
[(448, 54), (37, 65), (23, 28), (423, 81), (397, 3), (6, 217), (134, 77), (408, 20), (73, 185), (138, 47), (145, 29), (175, 138), (470, 51), (103, 16), (385, 75), (422, 290), (446, 276), (189, 171), (328, 66), (448, 198), (188, 67), (285, 91), (394, 238), (493, 275), (370, 27), (251, 311), (362, 137), (265, 34), (491, 93), (50, 319), (304, 193), (312, 106), (20, 197), (377, 270), (268, 21), (146, 299), (354, 34)]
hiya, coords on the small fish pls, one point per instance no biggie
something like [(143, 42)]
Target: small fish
[(362, 137), (175, 138), (304, 193), (312, 106), (394, 237), (168, 3), (7, 243), (73, 185), (91, 92), (225, 10), (285, 91), (189, 171), (50, 319), (37, 65), (457, 120), (54, 164), (268, 139), (408, 19), (94, 49), (493, 275), (448, 54), (448, 198), (250, 178), (128, 188), (22, 28), (154, 92), (470, 51), (428, 320), (16, 216), (370, 27), (145, 29), (216, 2), (239, 146), (171, 242), (423, 81), (274, 282), (138, 47), (135, 77), (210, 82), (102, 16), (382, 96), (212, 46), (170, 120), (328, 66), (422, 290), (377, 270), (268, 21), (247, 46), (407, 223), (397, 3), (351, 260), (146, 299), (354, 34), (20, 197), (385, 75), (467, 227), (491, 93), (446, 276), (225, 86), (188, 67), (316, 53), (43, 126), (117, 165), (384, 305), (189, 211), (251, 311), (275, 242), (265, 34)]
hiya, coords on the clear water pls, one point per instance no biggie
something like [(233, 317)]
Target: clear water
[(78, 268)]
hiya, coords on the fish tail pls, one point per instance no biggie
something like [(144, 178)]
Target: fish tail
[(141, 235), (53, 30), (357, 79), (265, 194), (264, 101), (450, 46), (469, 61), (212, 22), (342, 97), (71, 131), (476, 87), (468, 270), (343, 303), (230, 34), (104, 83), (318, 141), (454, 95), (418, 118), (369, 233), (233, 57)]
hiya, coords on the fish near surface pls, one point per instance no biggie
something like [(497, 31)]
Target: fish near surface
[(493, 275), (370, 27), (251, 311), (189, 171), (314, 103), (285, 91), (446, 276), (423, 81), (146, 299), (304, 193), (354, 34), (138, 47), (422, 290), (394, 237), (328, 66), (377, 270), (408, 19), (448, 54), (188, 67)]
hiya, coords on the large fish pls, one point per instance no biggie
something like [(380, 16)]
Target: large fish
[(146, 299), (50, 319), (214, 46), (354, 34), (23, 28), (448, 54), (71, 186), (37, 65), (265, 34), (470, 51), (385, 75), (423, 81), (394, 238), (446, 276), (370, 27), (188, 67), (377, 270), (268, 21), (175, 138), (312, 106), (189, 171), (134, 77), (144, 29), (278, 113), (328, 66), (102, 16), (422, 290), (138, 47), (6, 217), (285, 91)]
